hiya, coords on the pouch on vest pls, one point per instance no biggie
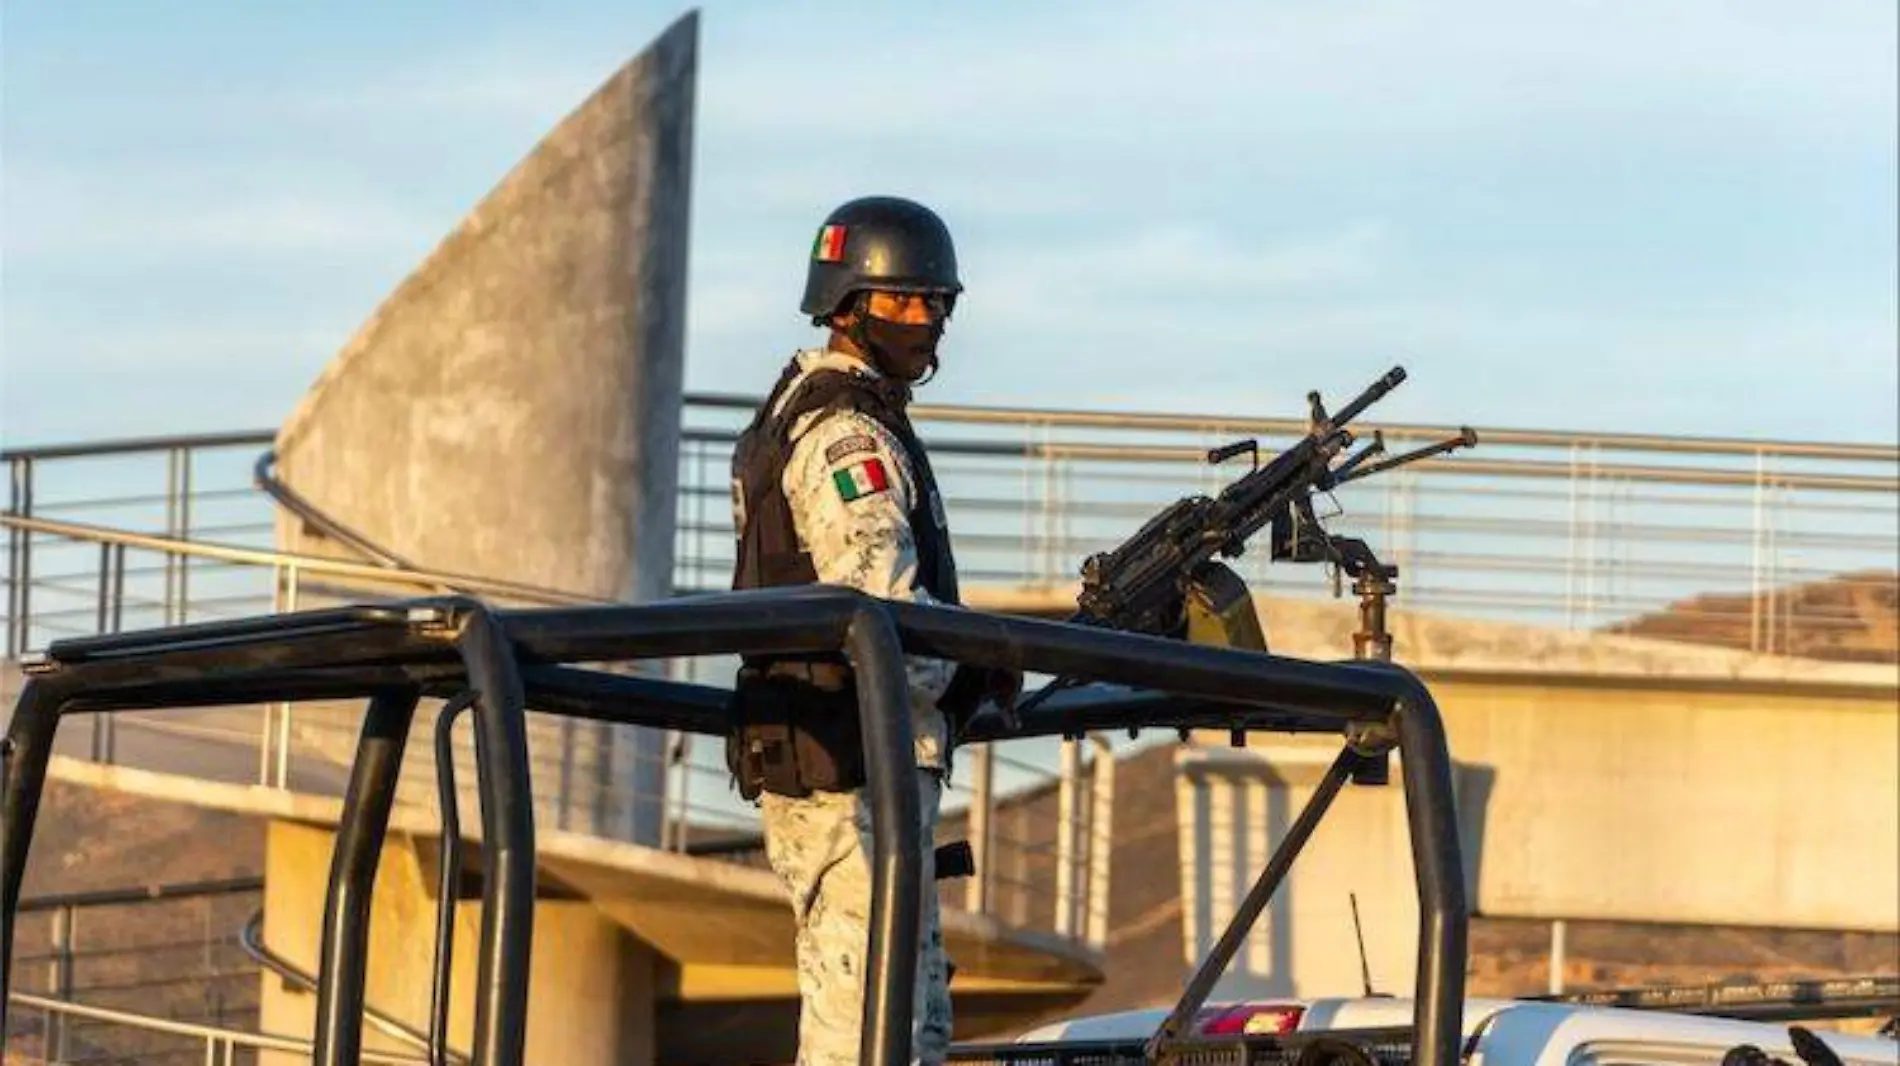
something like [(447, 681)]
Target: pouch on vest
[(792, 739)]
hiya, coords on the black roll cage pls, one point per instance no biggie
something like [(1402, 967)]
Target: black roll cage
[(394, 654)]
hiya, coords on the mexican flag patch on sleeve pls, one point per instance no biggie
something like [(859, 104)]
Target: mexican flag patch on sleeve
[(859, 480)]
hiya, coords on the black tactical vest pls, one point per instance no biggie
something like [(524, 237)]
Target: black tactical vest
[(769, 554)]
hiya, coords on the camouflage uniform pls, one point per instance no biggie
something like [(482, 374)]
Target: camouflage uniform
[(821, 846), (821, 849)]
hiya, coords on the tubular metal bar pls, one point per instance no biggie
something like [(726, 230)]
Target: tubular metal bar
[(168, 890), (225, 634), (325, 566), (793, 620), (1438, 868), (1251, 424), (618, 698), (1103, 709), (22, 572), (137, 444), (359, 847), (264, 475), (251, 939), (7, 912), (29, 746), (1175, 1028), (232, 1039), (1016, 416), (812, 619), (897, 879), (502, 775), (27, 753), (16, 618), (292, 686), (449, 859), (330, 652), (1338, 691)]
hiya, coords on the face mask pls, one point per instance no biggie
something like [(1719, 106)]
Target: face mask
[(907, 353)]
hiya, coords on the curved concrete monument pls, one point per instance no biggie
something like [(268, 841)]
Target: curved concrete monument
[(512, 410)]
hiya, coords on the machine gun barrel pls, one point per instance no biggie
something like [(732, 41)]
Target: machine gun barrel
[(1225, 452), (1353, 462), (1466, 438), (1373, 394)]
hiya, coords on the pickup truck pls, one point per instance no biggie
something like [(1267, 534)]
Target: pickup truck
[(1498, 1032)]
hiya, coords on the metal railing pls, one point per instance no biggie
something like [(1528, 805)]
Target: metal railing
[(176, 944), (1579, 530), (1046, 867), (210, 1044), (167, 948), (294, 976), (1584, 531)]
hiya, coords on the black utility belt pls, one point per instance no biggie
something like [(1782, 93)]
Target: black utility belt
[(791, 738)]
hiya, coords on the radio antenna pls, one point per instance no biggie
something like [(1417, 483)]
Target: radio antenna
[(1359, 934)]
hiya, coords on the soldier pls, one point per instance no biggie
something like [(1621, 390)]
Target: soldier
[(831, 485)]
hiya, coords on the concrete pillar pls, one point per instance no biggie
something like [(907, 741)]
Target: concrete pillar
[(512, 410), (591, 988)]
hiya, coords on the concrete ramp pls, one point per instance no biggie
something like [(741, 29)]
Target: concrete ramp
[(512, 410)]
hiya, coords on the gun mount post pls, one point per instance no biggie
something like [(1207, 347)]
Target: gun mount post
[(1373, 581), (344, 954), (1372, 640)]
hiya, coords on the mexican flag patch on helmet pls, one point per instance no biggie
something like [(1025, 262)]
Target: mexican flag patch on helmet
[(829, 247), (861, 479)]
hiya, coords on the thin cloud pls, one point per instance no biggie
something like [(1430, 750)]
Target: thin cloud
[(182, 346), (1246, 70), (1239, 187), (211, 212)]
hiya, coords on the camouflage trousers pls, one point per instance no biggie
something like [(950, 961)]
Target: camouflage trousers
[(821, 849)]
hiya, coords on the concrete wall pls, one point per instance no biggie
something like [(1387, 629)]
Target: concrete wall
[(1234, 807), (591, 986), (1718, 804), (512, 410), (1729, 805)]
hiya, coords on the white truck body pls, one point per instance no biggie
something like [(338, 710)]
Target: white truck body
[(1522, 1033)]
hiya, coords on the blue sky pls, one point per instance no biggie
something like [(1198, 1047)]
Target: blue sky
[(1616, 216)]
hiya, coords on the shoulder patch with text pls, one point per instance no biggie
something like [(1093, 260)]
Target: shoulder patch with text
[(849, 446)]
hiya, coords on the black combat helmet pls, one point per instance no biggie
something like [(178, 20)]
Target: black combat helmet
[(879, 242)]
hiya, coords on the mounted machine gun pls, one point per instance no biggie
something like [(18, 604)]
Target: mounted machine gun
[(1167, 579)]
